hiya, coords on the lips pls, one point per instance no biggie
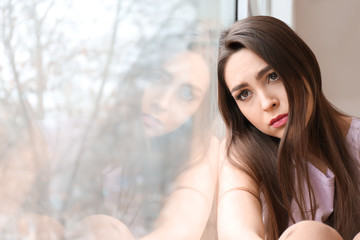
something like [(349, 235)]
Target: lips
[(279, 121), (150, 121)]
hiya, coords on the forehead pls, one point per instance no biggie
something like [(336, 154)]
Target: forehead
[(242, 66), (189, 68)]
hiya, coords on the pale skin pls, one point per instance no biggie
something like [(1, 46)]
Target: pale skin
[(261, 97), (239, 212), (187, 210)]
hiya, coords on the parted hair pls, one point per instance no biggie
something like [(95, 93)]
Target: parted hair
[(279, 166)]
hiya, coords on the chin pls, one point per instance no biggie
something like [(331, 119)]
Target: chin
[(152, 133)]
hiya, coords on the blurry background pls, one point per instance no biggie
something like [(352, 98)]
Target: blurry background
[(332, 30), (104, 103)]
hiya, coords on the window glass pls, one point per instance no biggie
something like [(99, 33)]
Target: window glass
[(107, 107), (281, 9)]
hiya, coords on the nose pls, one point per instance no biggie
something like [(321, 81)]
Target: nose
[(268, 101), (162, 101)]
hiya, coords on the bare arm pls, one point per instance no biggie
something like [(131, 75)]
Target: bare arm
[(239, 207), (187, 209)]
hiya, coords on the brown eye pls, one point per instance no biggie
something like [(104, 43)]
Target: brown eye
[(244, 94), (273, 77)]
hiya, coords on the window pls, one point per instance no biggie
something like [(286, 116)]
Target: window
[(105, 105)]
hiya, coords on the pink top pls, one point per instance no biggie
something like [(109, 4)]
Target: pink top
[(323, 185)]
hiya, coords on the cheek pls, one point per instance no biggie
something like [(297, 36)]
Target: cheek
[(181, 113), (146, 97), (144, 103), (249, 111), (150, 95), (253, 116)]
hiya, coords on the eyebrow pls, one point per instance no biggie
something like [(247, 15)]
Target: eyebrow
[(240, 86), (262, 72), (259, 75)]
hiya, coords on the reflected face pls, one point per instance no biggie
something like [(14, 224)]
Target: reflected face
[(258, 91), (175, 94)]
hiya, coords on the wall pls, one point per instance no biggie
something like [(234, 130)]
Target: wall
[(332, 30)]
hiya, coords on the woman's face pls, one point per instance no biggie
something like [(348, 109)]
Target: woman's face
[(175, 94), (258, 91)]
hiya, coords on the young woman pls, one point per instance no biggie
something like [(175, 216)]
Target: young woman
[(162, 187), (175, 115), (289, 154)]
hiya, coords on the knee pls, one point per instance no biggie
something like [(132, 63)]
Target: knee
[(99, 227), (357, 237), (305, 230)]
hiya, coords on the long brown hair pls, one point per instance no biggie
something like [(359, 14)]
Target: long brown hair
[(274, 163)]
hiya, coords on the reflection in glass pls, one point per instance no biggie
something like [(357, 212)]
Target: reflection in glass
[(106, 111)]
